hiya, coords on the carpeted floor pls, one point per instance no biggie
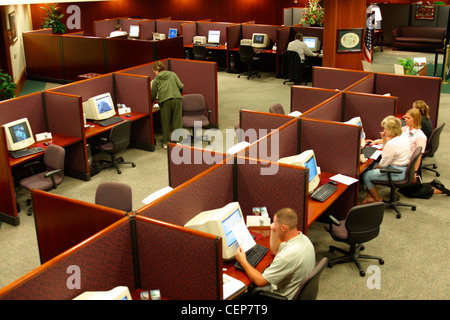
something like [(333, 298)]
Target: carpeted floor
[(415, 247)]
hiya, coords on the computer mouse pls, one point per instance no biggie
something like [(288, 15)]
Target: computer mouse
[(46, 143), (128, 116), (332, 182)]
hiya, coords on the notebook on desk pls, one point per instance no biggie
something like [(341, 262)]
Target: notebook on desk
[(231, 286)]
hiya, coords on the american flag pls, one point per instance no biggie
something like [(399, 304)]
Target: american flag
[(370, 24)]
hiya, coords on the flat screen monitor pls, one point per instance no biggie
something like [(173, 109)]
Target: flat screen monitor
[(312, 42), (306, 159), (134, 31), (260, 40), (99, 107), (214, 36), (18, 134), (173, 33), (357, 121), (226, 222)]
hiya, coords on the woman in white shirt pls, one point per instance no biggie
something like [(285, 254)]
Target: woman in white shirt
[(412, 131), (396, 155)]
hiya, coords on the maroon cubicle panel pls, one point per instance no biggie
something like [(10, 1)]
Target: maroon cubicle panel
[(365, 85), (183, 264), (103, 28), (305, 98), (124, 53), (330, 109), (334, 78), (188, 31)]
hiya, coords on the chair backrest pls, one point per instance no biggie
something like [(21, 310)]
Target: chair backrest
[(276, 108), (199, 52), (363, 222), (410, 169), (193, 103), (54, 157), (246, 53), (433, 144), (291, 65), (114, 195), (309, 287), (120, 136)]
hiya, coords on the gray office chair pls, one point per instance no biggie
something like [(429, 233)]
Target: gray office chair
[(114, 195), (409, 177), (432, 147), (119, 140), (248, 56), (361, 225), (276, 108), (307, 290), (201, 53), (51, 177), (194, 110)]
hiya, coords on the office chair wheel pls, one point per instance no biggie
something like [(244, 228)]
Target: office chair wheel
[(119, 171), (133, 165), (398, 216), (381, 261), (362, 273), (30, 211), (414, 208)]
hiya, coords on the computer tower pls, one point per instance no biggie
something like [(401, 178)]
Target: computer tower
[(233, 63), (92, 168)]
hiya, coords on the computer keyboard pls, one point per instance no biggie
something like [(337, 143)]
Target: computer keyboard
[(26, 152), (110, 121), (323, 192), (368, 151), (254, 256), (212, 45)]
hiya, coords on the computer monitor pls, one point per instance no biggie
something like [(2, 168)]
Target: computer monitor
[(260, 40), (306, 159), (357, 121), (99, 107), (134, 31), (18, 134), (214, 36), (173, 33), (117, 293), (226, 222), (312, 42)]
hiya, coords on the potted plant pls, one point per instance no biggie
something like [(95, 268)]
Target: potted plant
[(408, 65), (53, 18), (313, 15), (7, 87)]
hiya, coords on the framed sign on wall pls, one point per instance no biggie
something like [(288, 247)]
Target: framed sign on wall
[(350, 40)]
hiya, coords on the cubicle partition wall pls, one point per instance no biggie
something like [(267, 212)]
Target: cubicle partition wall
[(211, 189), (304, 98), (333, 78), (188, 31), (103, 28), (364, 85), (331, 109), (135, 252), (203, 28), (185, 162), (409, 89), (234, 35)]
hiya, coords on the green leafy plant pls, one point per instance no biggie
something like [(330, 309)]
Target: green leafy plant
[(408, 65), (313, 14), (53, 18), (7, 87)]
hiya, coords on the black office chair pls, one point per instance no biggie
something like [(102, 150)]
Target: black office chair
[(276, 108), (201, 53), (307, 290), (114, 195), (194, 110), (361, 225), (119, 140), (250, 58), (432, 147), (409, 177), (51, 177), (293, 70)]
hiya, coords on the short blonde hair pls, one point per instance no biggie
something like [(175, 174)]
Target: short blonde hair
[(422, 107), (392, 125), (288, 217), (415, 113)]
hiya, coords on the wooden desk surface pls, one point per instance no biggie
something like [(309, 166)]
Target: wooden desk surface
[(270, 51), (98, 129), (58, 139), (219, 47)]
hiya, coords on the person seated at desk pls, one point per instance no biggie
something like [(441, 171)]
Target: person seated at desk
[(395, 154), (425, 122), (294, 257), (301, 48), (118, 31)]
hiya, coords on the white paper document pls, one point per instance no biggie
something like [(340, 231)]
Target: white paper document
[(243, 236), (344, 179), (231, 286)]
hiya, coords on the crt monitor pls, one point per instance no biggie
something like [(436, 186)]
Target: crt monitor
[(306, 159), (214, 36), (134, 31), (260, 40), (357, 121), (18, 134), (226, 222), (173, 33), (99, 107), (312, 42)]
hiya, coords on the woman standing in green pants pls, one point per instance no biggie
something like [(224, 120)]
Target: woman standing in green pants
[(168, 88)]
